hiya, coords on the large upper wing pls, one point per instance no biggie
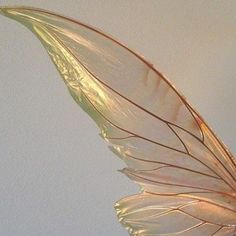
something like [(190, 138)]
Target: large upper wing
[(187, 176)]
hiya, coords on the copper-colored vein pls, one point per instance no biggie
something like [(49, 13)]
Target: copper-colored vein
[(221, 227), (193, 227), (198, 198), (150, 113), (178, 185), (175, 166), (152, 141), (127, 131), (189, 107), (179, 138), (95, 77)]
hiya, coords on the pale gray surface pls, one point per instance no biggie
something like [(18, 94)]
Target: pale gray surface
[(56, 175)]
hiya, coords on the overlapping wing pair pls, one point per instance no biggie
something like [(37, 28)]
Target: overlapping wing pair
[(187, 176)]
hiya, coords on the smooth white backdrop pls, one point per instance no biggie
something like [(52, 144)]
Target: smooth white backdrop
[(56, 175)]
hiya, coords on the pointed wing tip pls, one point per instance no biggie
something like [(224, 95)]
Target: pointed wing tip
[(2, 9), (9, 10), (5, 10)]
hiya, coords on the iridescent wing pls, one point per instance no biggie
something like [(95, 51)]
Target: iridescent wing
[(187, 176)]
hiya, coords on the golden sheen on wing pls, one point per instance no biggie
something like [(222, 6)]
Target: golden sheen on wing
[(187, 176)]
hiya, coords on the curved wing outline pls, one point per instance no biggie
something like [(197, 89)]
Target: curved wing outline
[(187, 176)]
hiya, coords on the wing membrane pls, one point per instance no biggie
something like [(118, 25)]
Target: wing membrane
[(187, 176), (153, 213)]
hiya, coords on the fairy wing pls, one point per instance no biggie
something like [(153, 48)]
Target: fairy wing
[(187, 176)]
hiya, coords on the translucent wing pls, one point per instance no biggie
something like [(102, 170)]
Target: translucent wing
[(187, 176)]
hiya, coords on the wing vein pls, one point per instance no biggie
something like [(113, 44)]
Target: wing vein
[(129, 100), (150, 113), (175, 166), (172, 184), (200, 200), (127, 131)]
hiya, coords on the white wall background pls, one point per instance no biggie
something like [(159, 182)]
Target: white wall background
[(56, 175)]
